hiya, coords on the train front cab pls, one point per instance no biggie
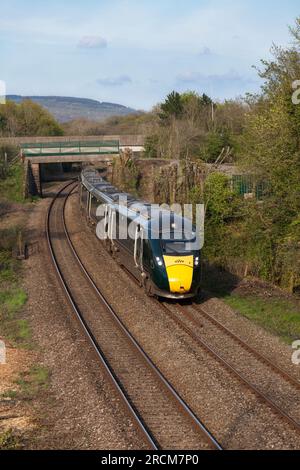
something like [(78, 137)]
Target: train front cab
[(175, 270)]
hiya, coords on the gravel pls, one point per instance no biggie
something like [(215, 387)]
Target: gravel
[(81, 409), (231, 412)]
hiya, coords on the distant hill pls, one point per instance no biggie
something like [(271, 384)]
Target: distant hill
[(66, 109)]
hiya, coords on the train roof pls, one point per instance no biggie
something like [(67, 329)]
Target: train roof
[(105, 190), (148, 215)]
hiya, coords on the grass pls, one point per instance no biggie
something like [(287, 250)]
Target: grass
[(11, 188), (33, 382), (8, 268), (12, 296), (12, 394), (8, 441), (30, 384), (12, 301), (280, 316), (277, 314), (15, 329)]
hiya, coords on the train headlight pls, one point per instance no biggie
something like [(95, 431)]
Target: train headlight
[(197, 261), (159, 261)]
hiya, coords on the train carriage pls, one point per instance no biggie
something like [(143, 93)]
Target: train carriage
[(154, 245)]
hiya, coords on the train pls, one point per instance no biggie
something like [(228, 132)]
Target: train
[(151, 243)]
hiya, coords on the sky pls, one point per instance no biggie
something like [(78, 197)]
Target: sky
[(135, 52)]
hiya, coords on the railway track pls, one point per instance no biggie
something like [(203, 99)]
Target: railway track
[(193, 326), (197, 326), (164, 420), (261, 357)]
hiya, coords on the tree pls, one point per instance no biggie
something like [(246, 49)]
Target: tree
[(215, 142), (271, 152), (27, 119), (172, 107)]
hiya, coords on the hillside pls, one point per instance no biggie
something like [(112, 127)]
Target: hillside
[(66, 109)]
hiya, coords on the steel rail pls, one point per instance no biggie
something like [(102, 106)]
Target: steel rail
[(180, 402), (261, 357), (272, 405), (195, 420), (118, 386)]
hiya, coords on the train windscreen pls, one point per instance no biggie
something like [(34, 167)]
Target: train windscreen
[(177, 247)]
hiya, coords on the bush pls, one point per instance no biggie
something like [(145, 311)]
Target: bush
[(11, 188), (151, 143)]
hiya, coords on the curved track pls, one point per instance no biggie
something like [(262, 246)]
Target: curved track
[(163, 418), (192, 326)]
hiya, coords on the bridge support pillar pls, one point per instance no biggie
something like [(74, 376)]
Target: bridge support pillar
[(34, 179)]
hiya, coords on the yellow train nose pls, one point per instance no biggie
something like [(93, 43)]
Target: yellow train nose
[(180, 273)]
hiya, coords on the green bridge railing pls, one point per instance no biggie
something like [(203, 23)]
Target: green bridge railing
[(48, 149)]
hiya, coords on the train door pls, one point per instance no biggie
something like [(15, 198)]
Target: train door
[(89, 204), (111, 228), (138, 248), (106, 223)]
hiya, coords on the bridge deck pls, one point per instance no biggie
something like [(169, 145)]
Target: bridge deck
[(60, 149)]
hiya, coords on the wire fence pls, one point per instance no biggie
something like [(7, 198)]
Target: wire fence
[(249, 187), (6, 163)]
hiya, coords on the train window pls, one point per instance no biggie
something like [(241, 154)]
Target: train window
[(176, 247), (94, 206)]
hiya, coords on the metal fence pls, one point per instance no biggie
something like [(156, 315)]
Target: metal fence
[(248, 185), (6, 164)]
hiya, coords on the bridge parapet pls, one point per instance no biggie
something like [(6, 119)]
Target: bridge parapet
[(48, 149)]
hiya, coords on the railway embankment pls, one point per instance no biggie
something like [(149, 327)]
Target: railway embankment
[(21, 376)]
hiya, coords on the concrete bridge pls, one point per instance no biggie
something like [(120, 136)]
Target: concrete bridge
[(135, 142), (41, 151)]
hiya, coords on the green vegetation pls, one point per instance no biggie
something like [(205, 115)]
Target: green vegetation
[(256, 300), (279, 316), (190, 125), (125, 173), (30, 384), (11, 187), (12, 297), (172, 107), (258, 236), (33, 382), (7, 154), (133, 124), (27, 119), (8, 441)]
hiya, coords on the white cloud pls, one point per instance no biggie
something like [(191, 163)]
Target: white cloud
[(92, 42), (114, 81)]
